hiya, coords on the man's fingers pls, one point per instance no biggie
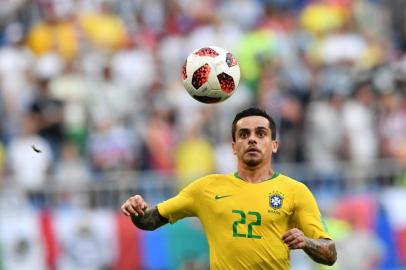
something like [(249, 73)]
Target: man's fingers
[(295, 243), (134, 206), (128, 209), (141, 204), (294, 238), (138, 206), (288, 239), (134, 209), (288, 236), (142, 208)]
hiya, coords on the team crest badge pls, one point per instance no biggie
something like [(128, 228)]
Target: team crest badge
[(275, 200)]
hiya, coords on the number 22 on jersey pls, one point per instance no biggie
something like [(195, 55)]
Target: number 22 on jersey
[(242, 219)]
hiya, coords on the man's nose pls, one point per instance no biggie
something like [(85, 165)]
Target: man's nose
[(252, 139)]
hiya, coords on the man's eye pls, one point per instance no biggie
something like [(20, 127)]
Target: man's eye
[(261, 134), (243, 135)]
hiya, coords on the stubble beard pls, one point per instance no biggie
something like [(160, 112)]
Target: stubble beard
[(252, 162)]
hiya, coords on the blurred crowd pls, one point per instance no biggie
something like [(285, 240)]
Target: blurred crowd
[(95, 85)]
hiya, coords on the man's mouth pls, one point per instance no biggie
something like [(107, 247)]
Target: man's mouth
[(253, 150)]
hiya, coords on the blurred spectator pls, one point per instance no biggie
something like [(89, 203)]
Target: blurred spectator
[(397, 8), (336, 78), (72, 175), (108, 99), (243, 13), (110, 147), (54, 34), (343, 46), (72, 170), (103, 28), (9, 8), (291, 138), (194, 157), (48, 112), (321, 16), (48, 65), (28, 168), (134, 67), (270, 95), (16, 62), (324, 137), (392, 127), (372, 20), (256, 50), (299, 74), (359, 118), (71, 88), (159, 142)]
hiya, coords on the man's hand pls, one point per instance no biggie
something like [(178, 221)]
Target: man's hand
[(295, 239), (134, 206), (320, 250)]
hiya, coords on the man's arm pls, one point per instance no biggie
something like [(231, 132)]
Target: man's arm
[(320, 250), (143, 217), (150, 220)]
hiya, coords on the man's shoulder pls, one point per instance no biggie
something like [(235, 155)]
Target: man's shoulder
[(200, 184), (294, 183), (209, 178), (214, 177)]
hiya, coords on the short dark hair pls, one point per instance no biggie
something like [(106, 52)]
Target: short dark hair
[(253, 112)]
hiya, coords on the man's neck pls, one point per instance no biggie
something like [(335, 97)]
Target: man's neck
[(255, 175)]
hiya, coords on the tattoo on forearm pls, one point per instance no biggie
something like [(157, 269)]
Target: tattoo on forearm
[(150, 221), (321, 251)]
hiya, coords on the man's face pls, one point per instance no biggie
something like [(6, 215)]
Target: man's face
[(253, 141)]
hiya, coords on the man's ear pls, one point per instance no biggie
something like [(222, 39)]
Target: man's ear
[(275, 145), (234, 150)]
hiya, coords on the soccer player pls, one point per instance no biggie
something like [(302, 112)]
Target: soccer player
[(253, 217)]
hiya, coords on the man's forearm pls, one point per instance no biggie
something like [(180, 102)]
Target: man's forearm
[(150, 221), (321, 250)]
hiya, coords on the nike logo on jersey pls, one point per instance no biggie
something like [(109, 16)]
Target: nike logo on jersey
[(218, 197)]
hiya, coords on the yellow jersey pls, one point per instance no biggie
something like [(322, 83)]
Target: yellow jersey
[(244, 222)]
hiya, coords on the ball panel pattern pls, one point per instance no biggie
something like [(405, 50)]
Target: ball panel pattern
[(201, 76), (207, 99), (207, 52), (230, 60), (226, 82)]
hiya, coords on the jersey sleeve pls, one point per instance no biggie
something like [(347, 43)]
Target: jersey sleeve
[(182, 205), (307, 214)]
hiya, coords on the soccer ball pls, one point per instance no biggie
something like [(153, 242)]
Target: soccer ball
[(210, 74)]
